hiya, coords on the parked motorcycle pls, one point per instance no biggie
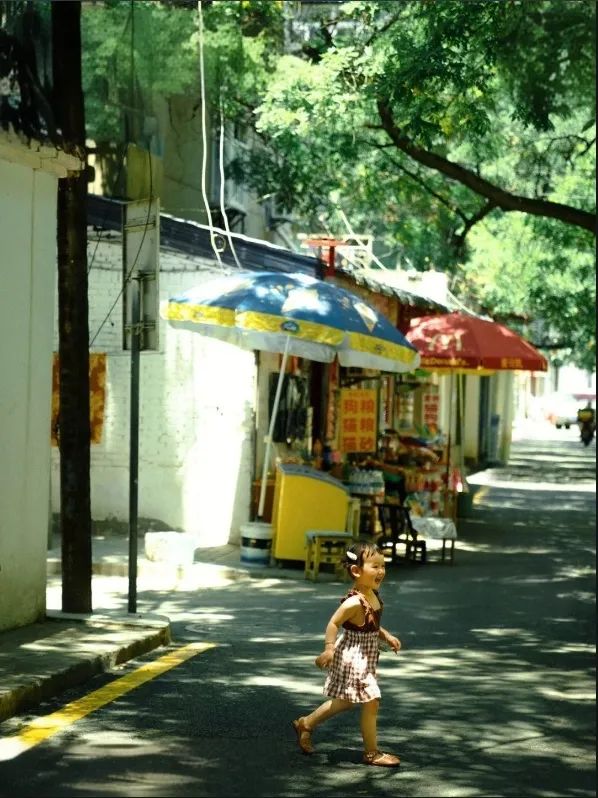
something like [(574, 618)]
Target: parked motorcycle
[(586, 420), (587, 433)]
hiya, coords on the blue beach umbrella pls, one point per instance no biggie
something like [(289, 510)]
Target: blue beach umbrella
[(293, 314)]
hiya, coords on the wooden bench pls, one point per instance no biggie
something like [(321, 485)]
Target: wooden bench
[(396, 528), (326, 546), (443, 529)]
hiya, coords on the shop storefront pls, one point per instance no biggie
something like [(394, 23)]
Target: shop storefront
[(386, 439), (383, 436), (405, 457)]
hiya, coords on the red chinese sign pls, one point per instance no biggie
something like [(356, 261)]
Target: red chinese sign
[(431, 407), (358, 429)]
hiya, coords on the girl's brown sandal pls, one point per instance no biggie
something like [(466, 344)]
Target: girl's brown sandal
[(381, 759), (303, 736)]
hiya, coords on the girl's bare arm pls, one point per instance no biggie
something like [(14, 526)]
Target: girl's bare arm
[(392, 641), (346, 612)]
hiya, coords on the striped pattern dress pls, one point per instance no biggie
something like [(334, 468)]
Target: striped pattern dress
[(352, 673)]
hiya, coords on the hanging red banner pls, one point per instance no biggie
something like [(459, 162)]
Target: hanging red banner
[(358, 429)]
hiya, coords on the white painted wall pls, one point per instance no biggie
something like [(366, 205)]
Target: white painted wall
[(505, 408), (472, 416), (197, 404), (27, 272), (571, 380)]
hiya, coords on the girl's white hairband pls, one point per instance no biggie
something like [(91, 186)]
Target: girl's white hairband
[(351, 555)]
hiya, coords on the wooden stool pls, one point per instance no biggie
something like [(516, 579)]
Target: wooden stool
[(443, 529), (353, 517), (325, 546)]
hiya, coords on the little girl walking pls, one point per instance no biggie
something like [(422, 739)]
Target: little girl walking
[(351, 662)]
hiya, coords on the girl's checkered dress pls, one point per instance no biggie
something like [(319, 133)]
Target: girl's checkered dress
[(352, 673)]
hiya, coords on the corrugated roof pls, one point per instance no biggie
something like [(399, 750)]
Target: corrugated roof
[(193, 238), (411, 298)]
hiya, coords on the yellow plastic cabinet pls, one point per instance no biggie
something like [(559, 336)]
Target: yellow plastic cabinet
[(305, 499)]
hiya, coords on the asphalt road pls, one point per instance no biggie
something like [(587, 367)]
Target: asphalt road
[(493, 693)]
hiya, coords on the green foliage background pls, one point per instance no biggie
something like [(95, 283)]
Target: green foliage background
[(506, 89)]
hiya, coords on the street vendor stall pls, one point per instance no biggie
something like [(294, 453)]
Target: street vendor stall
[(461, 344), (377, 462), (295, 315)]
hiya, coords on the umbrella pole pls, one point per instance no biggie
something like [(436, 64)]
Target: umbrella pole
[(449, 446), (283, 365), (462, 429)]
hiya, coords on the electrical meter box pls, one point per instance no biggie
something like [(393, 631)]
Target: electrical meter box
[(305, 499)]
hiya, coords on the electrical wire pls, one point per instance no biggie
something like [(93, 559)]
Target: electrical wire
[(204, 137), (129, 20), (222, 185), (134, 264), (150, 200), (105, 215)]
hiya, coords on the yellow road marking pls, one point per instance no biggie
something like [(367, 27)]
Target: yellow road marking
[(480, 495), (41, 728)]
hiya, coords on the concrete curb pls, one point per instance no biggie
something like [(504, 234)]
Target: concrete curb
[(104, 640)]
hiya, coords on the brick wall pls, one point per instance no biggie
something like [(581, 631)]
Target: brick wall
[(196, 414)]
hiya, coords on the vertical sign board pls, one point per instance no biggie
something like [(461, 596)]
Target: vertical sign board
[(431, 407), (141, 242), (358, 428)]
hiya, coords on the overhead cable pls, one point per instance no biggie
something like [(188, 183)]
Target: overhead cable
[(359, 240), (222, 186), (204, 138)]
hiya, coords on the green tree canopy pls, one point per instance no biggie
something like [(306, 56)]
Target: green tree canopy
[(426, 121), (462, 135), (135, 52)]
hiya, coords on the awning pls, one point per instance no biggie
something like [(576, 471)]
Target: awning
[(377, 284), (458, 341)]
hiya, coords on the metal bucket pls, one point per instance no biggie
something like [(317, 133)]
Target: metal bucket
[(256, 543)]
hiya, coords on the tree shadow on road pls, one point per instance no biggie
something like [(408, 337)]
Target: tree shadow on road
[(493, 692)]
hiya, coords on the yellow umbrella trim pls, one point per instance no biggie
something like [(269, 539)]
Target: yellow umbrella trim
[(200, 314), (380, 347), (306, 330), (475, 372), (255, 322), (267, 323)]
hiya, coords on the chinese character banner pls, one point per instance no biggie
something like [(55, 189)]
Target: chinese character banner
[(357, 432)]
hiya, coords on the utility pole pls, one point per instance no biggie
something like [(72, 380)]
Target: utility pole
[(141, 236), (73, 324)]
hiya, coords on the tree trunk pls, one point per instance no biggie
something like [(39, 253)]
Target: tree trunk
[(73, 325), (496, 195)]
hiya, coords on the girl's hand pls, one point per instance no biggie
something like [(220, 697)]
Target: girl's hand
[(394, 643), (325, 658)]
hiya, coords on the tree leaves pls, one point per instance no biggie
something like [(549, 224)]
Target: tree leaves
[(432, 124)]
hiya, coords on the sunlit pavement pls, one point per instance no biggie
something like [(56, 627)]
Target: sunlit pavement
[(539, 429), (493, 693), (544, 455)]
